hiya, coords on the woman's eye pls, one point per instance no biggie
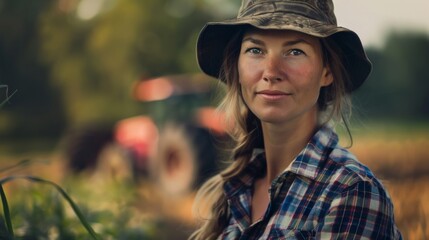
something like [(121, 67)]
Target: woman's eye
[(255, 51), (295, 52)]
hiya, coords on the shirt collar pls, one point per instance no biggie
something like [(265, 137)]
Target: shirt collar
[(307, 163)]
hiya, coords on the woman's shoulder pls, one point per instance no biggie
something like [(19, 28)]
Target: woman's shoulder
[(345, 168), (333, 162), (347, 160)]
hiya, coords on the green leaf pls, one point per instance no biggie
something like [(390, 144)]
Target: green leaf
[(6, 212), (73, 205)]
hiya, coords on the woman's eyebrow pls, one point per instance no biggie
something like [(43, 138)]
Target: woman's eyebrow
[(296, 41), (253, 40), (285, 44)]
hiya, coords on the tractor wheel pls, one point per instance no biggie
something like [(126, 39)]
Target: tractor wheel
[(92, 150), (84, 145), (186, 157)]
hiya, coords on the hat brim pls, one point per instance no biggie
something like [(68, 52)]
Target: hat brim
[(215, 36)]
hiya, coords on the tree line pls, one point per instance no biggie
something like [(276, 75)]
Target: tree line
[(69, 70), (398, 87)]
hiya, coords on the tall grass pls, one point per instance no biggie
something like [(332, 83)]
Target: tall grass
[(38, 210), (10, 233)]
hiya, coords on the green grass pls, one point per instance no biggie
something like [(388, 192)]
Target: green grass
[(36, 208)]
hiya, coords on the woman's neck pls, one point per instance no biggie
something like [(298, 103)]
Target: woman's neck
[(284, 143)]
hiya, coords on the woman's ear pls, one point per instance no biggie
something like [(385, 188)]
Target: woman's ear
[(327, 77)]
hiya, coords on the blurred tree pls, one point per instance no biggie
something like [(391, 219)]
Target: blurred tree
[(398, 86), (408, 55), (36, 108), (96, 55)]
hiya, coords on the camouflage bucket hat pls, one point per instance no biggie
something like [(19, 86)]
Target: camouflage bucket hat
[(312, 17)]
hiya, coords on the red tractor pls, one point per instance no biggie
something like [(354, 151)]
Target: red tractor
[(177, 144)]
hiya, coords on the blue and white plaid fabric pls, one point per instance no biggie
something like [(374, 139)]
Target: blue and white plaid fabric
[(324, 194)]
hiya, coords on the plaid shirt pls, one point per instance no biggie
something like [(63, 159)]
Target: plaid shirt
[(324, 194)]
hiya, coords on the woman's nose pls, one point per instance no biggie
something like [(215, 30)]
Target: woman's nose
[(272, 69)]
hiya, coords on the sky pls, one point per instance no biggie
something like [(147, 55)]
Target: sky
[(372, 20)]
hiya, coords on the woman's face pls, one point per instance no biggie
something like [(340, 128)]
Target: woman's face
[(281, 73)]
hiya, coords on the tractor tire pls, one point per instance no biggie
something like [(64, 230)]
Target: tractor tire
[(92, 150), (84, 145), (187, 156)]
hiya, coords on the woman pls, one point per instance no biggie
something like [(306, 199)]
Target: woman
[(289, 70)]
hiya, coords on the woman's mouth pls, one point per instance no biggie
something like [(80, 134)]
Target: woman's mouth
[(272, 94)]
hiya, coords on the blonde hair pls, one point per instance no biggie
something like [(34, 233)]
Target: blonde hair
[(211, 201)]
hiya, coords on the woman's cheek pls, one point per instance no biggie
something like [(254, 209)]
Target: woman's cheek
[(248, 72)]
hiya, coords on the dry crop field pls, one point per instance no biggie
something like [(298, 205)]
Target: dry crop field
[(401, 159), (118, 209)]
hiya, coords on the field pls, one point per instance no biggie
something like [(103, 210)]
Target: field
[(118, 209), (401, 159)]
